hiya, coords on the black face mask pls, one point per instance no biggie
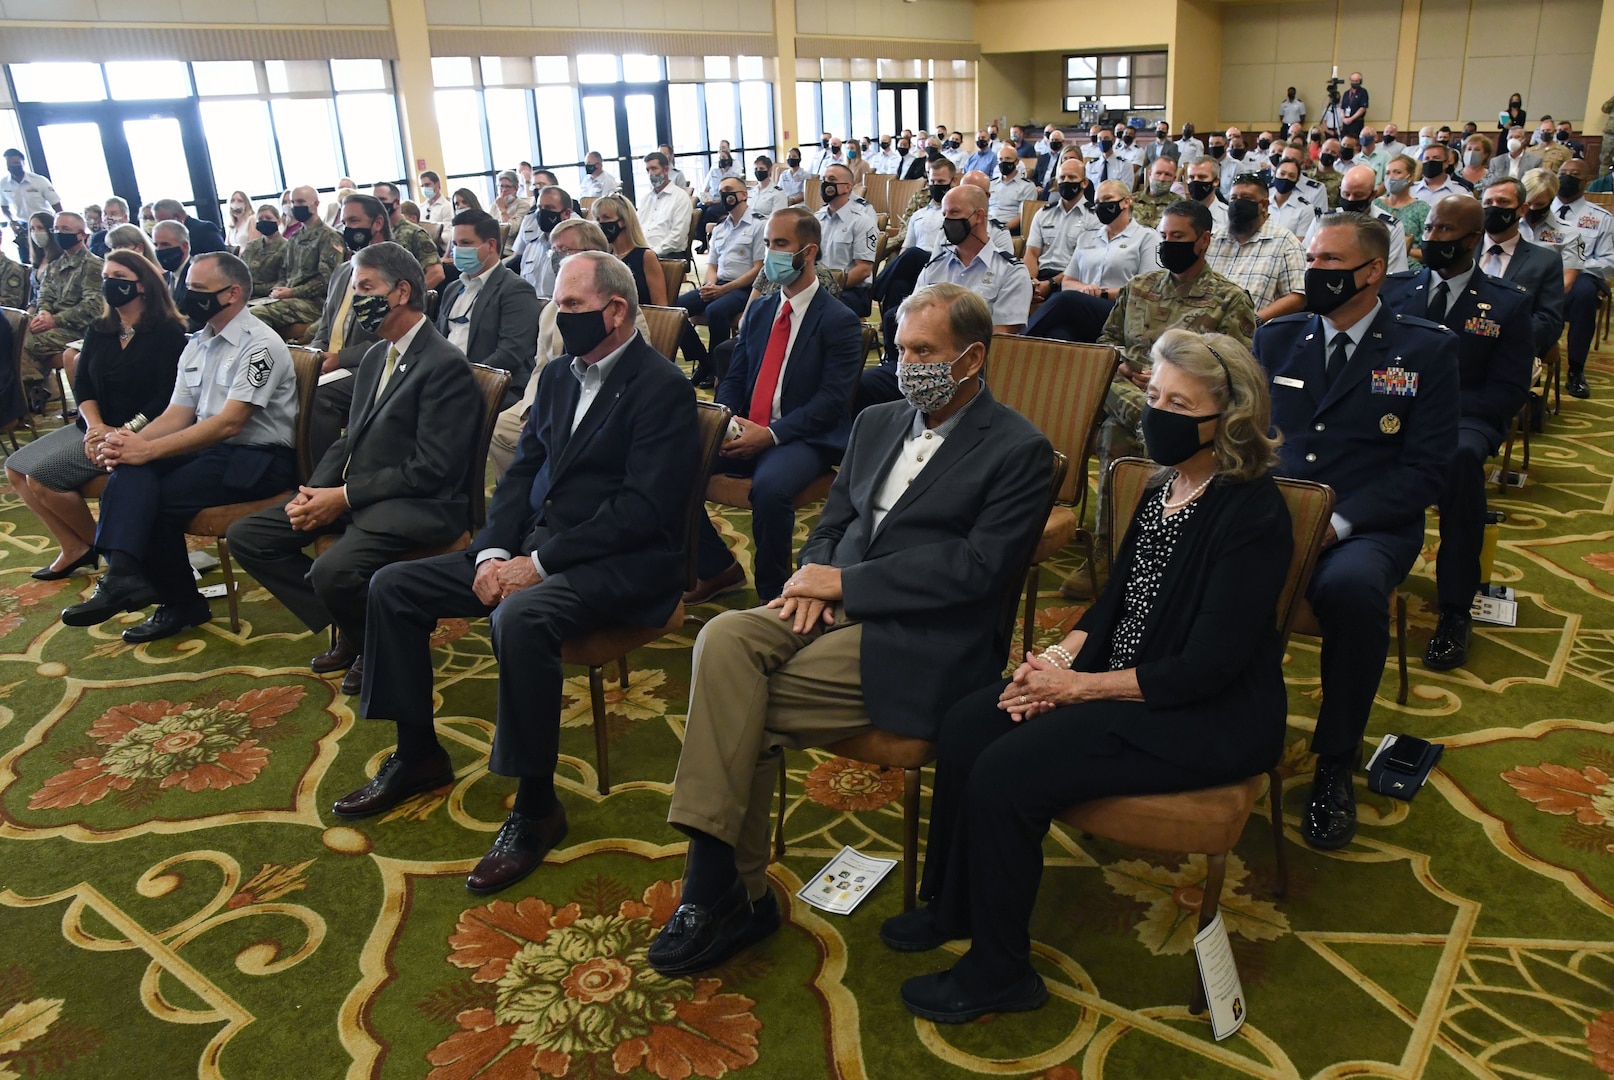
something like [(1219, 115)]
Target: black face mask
[(171, 259), (202, 306), (725, 163), (1346, 153), (1200, 190), (885, 144), (1263, 144), (763, 174), (1535, 216), (956, 230), (1007, 168), (1128, 138), (933, 153), (1171, 438), (1238, 153), (547, 220), (1327, 289), (356, 238), (302, 213), (1434, 170), (1178, 256), (830, 190), (1069, 190), (731, 199), (904, 148), (1218, 152), (391, 209), (611, 229), (1243, 215), (824, 143), (1438, 255), (15, 171), (1055, 149), (1326, 160), (1354, 206), (581, 332), (267, 227), (370, 310), (1500, 218), (794, 163), (1107, 211), (939, 191), (1568, 189), (119, 291), (1105, 146), (980, 144), (67, 241)]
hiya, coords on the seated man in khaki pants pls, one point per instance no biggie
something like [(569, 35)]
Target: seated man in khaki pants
[(896, 612), (568, 238)]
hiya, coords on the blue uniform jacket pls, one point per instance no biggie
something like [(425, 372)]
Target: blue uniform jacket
[(1495, 341), (1383, 433)]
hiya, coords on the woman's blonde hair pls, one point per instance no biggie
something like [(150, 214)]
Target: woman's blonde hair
[(1244, 446), (130, 237), (625, 213)]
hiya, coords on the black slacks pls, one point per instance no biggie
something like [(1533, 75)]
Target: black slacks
[(999, 785), (407, 599)]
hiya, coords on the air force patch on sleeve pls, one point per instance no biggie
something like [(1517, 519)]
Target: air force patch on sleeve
[(259, 365)]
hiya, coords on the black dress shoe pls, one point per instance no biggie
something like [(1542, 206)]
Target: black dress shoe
[(703, 381), (915, 931), (114, 594), (338, 657), (1330, 819), (766, 920), (939, 997), (1576, 385), (168, 620), (90, 558), (698, 937), (518, 850), (1448, 648), (394, 782), (353, 681)]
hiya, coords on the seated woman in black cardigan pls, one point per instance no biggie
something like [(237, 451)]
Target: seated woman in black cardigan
[(1172, 681), (126, 369)]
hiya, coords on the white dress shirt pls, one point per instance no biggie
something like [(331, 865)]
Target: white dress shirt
[(599, 184), (798, 310), (459, 316), (665, 215), (1496, 264)]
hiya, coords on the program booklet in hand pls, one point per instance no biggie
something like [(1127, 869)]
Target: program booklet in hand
[(842, 884)]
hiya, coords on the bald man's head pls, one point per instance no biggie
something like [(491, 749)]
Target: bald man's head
[(977, 179), (967, 198), (1358, 183), (1461, 212)]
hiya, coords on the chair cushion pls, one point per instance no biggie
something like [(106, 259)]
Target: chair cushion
[(735, 491), (609, 643), (1205, 822), (1060, 530), (885, 748), (216, 520)]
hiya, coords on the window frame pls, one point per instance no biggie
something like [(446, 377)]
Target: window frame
[(1113, 88)]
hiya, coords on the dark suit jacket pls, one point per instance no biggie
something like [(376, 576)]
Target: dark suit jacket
[(356, 340), (1382, 447), (178, 289), (1540, 273), (932, 585), (605, 505), (406, 454), (205, 236), (915, 169), (504, 326), (1495, 346), (818, 374), (1210, 662)]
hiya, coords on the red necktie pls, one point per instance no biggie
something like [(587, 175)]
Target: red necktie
[(772, 361)]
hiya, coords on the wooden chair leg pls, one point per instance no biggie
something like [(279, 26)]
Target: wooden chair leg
[(1029, 622), (1217, 867), (602, 758), (1507, 462), (779, 826), (1525, 465), (1275, 805), (1401, 645), (622, 671), (910, 839), (1092, 566), (229, 585)]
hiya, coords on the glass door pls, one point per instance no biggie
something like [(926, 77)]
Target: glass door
[(622, 124), (902, 105), (77, 163)]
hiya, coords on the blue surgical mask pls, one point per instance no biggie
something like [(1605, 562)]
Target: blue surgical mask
[(780, 267), (467, 260)]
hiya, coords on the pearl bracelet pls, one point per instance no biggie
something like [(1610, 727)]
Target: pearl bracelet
[(1057, 653)]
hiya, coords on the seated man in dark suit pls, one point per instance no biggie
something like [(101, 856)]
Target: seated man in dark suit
[(339, 334), (204, 235), (395, 483), (788, 386), (1507, 255), (585, 527), (1367, 403), (1495, 353), (488, 312), (896, 612), (173, 246)]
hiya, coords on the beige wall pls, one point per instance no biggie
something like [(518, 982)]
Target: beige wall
[(943, 20), (1267, 48), (221, 12), (710, 15)]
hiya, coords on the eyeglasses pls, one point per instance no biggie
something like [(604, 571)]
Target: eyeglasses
[(1254, 179)]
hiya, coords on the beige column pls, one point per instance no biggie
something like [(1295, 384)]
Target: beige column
[(1601, 86), (412, 74), (784, 83), (1406, 60)]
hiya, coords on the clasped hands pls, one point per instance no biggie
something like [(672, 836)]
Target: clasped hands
[(1137, 377), (119, 446), (1040, 685), (496, 579), (809, 597), (752, 440), (315, 508), (42, 322)]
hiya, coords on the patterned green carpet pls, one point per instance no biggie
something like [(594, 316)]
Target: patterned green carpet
[(176, 899)]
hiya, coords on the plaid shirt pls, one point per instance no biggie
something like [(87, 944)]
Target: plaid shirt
[(1269, 265)]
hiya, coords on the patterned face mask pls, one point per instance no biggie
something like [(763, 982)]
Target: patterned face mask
[(928, 387)]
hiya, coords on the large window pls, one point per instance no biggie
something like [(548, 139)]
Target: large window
[(1123, 82)]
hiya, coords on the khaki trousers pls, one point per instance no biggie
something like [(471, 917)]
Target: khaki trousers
[(757, 689), (506, 436)]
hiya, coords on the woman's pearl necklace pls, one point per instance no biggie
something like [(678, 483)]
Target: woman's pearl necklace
[(1190, 497)]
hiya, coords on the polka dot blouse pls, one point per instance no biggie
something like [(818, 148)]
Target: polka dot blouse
[(1157, 540)]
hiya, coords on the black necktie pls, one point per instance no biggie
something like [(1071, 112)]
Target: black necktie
[(1495, 253), (1438, 302), (1563, 213), (1336, 357)]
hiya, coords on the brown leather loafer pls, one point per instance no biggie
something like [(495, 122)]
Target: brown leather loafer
[(353, 681), (394, 782), (709, 588), (337, 658), (517, 851)]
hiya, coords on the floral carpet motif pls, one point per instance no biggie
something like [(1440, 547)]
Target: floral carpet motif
[(177, 899)]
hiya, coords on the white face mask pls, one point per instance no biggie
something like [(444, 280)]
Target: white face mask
[(1515, 145)]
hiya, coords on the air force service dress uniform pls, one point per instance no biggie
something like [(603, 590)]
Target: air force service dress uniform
[(1380, 429), (735, 247), (849, 238), (1495, 353), (1398, 235), (532, 255)]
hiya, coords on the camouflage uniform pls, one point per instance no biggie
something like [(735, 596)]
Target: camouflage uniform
[(1146, 307), (417, 241), (312, 255), (13, 283), (1147, 210), (1553, 156), (267, 260), (70, 289), (1329, 179)]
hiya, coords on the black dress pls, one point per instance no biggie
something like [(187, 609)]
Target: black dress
[(1191, 606), (634, 260)]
